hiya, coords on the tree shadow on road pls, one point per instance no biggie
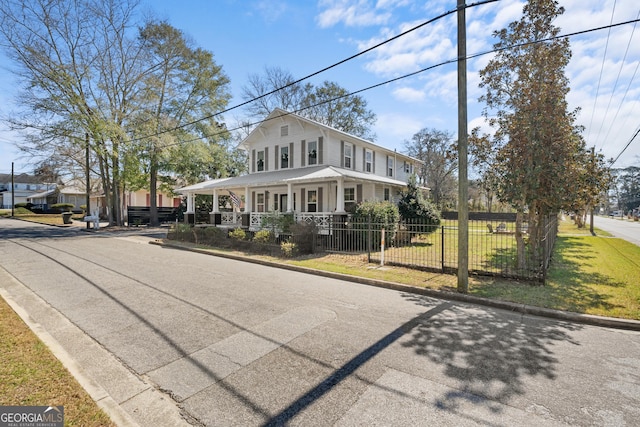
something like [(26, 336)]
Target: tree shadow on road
[(488, 354)]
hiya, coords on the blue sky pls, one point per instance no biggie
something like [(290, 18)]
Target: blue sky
[(305, 36)]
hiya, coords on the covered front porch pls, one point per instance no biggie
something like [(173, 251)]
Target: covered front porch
[(313, 195)]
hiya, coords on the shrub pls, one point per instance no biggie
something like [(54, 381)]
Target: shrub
[(418, 212), (63, 207), (21, 211), (238, 234), (263, 236), (277, 223), (288, 249), (303, 234)]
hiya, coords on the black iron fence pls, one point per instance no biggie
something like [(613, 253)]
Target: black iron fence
[(495, 246)]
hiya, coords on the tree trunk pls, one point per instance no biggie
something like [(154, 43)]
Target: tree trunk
[(520, 244), (153, 186)]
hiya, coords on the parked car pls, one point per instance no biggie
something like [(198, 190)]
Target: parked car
[(615, 214)]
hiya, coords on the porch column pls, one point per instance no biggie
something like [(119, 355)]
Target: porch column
[(340, 197), (289, 197), (190, 202), (215, 208), (247, 200)]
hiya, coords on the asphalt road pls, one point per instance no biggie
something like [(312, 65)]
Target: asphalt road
[(162, 337), (623, 228)]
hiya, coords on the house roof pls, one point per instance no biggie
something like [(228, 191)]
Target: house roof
[(278, 112), (286, 176), (42, 194)]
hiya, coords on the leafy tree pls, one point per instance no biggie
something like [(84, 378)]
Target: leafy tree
[(415, 208), (327, 104), (88, 81), (183, 85), (437, 151), (534, 142), (627, 188)]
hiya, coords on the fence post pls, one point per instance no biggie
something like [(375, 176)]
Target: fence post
[(382, 248), (369, 238), (442, 248)]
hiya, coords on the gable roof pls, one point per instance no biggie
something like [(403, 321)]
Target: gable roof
[(285, 176), (279, 113)]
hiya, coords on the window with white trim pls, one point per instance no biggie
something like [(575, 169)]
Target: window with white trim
[(312, 201), (260, 161), (368, 161), (387, 194), (348, 155), (284, 130), (312, 153), (349, 198), (284, 157), (390, 166)]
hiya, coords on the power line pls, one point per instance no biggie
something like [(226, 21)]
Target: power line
[(615, 85), (430, 21), (625, 148), (604, 57), (450, 61)]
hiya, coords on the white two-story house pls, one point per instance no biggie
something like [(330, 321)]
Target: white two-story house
[(307, 169)]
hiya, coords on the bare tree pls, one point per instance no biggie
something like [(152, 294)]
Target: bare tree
[(437, 150)]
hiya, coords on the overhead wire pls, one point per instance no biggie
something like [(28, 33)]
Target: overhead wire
[(604, 58), (450, 61), (369, 49), (624, 96)]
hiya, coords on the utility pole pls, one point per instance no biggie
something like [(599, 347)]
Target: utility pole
[(13, 192), (463, 182), (88, 177), (592, 172)]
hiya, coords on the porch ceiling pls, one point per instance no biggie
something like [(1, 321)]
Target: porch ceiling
[(284, 176)]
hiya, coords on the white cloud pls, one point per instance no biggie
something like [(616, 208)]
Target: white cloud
[(352, 13), (408, 94)]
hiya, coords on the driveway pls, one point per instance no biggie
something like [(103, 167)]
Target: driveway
[(172, 337)]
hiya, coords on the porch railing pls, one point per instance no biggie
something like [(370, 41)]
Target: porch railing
[(322, 220), (230, 218)]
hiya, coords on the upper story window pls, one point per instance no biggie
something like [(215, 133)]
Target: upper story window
[(260, 161), (390, 166), (368, 161), (348, 155), (408, 168), (284, 130), (312, 153), (284, 157)]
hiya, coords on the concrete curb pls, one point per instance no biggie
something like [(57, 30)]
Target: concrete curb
[(115, 412), (587, 319)]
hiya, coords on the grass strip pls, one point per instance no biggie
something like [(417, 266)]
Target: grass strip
[(30, 375)]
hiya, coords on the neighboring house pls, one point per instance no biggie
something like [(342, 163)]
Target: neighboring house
[(73, 193), (306, 168), (24, 186), (143, 198)]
